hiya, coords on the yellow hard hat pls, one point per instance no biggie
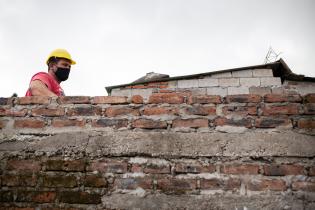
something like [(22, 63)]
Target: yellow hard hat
[(60, 53)]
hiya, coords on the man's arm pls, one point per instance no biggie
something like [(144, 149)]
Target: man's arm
[(38, 88)]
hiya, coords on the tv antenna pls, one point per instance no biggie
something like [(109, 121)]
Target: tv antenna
[(271, 56)]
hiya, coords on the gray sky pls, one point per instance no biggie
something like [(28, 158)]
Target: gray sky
[(117, 41)]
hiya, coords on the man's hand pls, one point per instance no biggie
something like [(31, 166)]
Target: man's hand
[(38, 88)]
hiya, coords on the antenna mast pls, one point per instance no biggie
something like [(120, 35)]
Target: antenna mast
[(271, 56)]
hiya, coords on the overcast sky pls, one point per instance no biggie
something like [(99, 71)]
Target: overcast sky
[(118, 41)]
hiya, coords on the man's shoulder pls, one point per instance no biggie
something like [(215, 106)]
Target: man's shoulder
[(40, 74)]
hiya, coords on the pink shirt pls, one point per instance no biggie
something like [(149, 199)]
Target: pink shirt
[(49, 81)]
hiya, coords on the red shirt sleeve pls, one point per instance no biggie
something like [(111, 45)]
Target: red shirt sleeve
[(44, 77)]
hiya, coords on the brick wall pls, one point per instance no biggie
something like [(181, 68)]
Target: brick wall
[(176, 150)]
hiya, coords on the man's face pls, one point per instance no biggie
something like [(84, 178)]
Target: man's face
[(63, 63), (62, 69)]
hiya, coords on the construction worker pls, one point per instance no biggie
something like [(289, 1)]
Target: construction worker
[(48, 84)]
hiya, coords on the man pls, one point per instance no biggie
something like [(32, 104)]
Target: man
[(48, 84)]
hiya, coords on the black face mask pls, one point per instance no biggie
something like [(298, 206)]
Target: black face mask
[(62, 73)]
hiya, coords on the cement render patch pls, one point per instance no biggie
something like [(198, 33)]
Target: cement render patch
[(168, 144)]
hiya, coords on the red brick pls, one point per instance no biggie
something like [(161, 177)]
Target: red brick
[(23, 165), (240, 169), (303, 186), (85, 111), (136, 168), (109, 100), (218, 184), (133, 183), (204, 99), (78, 197), (287, 109), (160, 110), (309, 109), (65, 165), (312, 171), (3, 123), (176, 186), (243, 98), (194, 168), (34, 100), (267, 184), (12, 112), (149, 124), (271, 122), (59, 123), (116, 111), (170, 98), (200, 110), (191, 123), (283, 170), (10, 180), (108, 166), (115, 123), (273, 98), (44, 197), (19, 180), (74, 100), (137, 99), (51, 112), (29, 123), (306, 123), (94, 181), (239, 110), (243, 122), (310, 98), (157, 169), (59, 181)]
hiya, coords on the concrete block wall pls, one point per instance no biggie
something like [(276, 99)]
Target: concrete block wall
[(175, 151)]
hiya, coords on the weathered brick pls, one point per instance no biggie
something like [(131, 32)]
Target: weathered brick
[(65, 165), (271, 122), (170, 98), (239, 169), (309, 98), (94, 181), (204, 99), (4, 101), (220, 91), (115, 123), (309, 109), (44, 197), (108, 166), (239, 110), (10, 180), (6, 196), (243, 98), (220, 184), (68, 122), (242, 73), (249, 82), (109, 100), (23, 165), (85, 111), (283, 170), (160, 110), (191, 123), (227, 82), (273, 98), (51, 112), (137, 99), (303, 186), (149, 124), (176, 186), (244, 122), (19, 180), (73, 100), (12, 112), (200, 110), (59, 181), (116, 111), (187, 83), (208, 82), (3, 123), (311, 171), (157, 169), (29, 123), (267, 184), (238, 90), (262, 73), (306, 123), (194, 168), (34, 100), (133, 183), (286, 109), (270, 81), (79, 197)]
